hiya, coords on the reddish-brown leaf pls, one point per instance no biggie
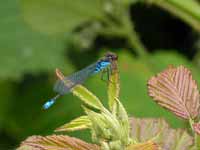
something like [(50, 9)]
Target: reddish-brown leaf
[(158, 131), (57, 142), (174, 89), (196, 127), (149, 145)]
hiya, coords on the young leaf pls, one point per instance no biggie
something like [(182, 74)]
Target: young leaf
[(100, 128), (84, 94), (113, 124), (113, 86), (149, 145), (196, 127), (158, 131), (106, 127), (57, 142), (174, 89), (79, 123), (122, 117)]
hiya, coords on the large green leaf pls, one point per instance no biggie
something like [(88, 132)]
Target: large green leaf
[(22, 49), (59, 16)]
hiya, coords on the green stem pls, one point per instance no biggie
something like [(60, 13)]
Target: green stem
[(125, 28), (197, 140), (135, 43), (196, 136), (191, 122), (187, 10), (133, 37)]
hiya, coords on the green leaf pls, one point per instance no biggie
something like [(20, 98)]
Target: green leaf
[(123, 118), (100, 128), (86, 96), (22, 49), (79, 123), (113, 125), (106, 127), (60, 16)]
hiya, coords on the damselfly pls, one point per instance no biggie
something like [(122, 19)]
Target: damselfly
[(65, 84)]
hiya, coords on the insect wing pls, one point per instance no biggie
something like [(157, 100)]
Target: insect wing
[(64, 86)]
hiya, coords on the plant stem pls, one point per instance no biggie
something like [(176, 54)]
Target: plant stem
[(133, 37), (196, 136), (124, 28), (135, 42)]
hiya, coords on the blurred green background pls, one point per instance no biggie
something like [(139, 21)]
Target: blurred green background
[(37, 36)]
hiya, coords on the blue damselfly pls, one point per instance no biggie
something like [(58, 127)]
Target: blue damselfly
[(65, 84)]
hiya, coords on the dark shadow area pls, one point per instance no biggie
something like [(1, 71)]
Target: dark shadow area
[(160, 30)]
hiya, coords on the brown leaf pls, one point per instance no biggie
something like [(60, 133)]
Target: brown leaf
[(196, 127), (158, 131), (174, 89), (57, 142), (149, 145)]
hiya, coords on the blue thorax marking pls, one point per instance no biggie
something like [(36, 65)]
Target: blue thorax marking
[(76, 78), (101, 65)]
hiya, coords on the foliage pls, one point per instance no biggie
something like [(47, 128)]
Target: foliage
[(56, 142), (175, 90), (110, 128), (22, 49), (38, 36)]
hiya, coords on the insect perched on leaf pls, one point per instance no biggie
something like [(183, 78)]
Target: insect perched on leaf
[(65, 84)]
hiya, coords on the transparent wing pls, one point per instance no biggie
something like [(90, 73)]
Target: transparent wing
[(64, 86)]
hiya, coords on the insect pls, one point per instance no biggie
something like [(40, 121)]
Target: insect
[(65, 84)]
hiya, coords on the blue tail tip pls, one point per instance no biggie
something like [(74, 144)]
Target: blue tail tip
[(48, 104)]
